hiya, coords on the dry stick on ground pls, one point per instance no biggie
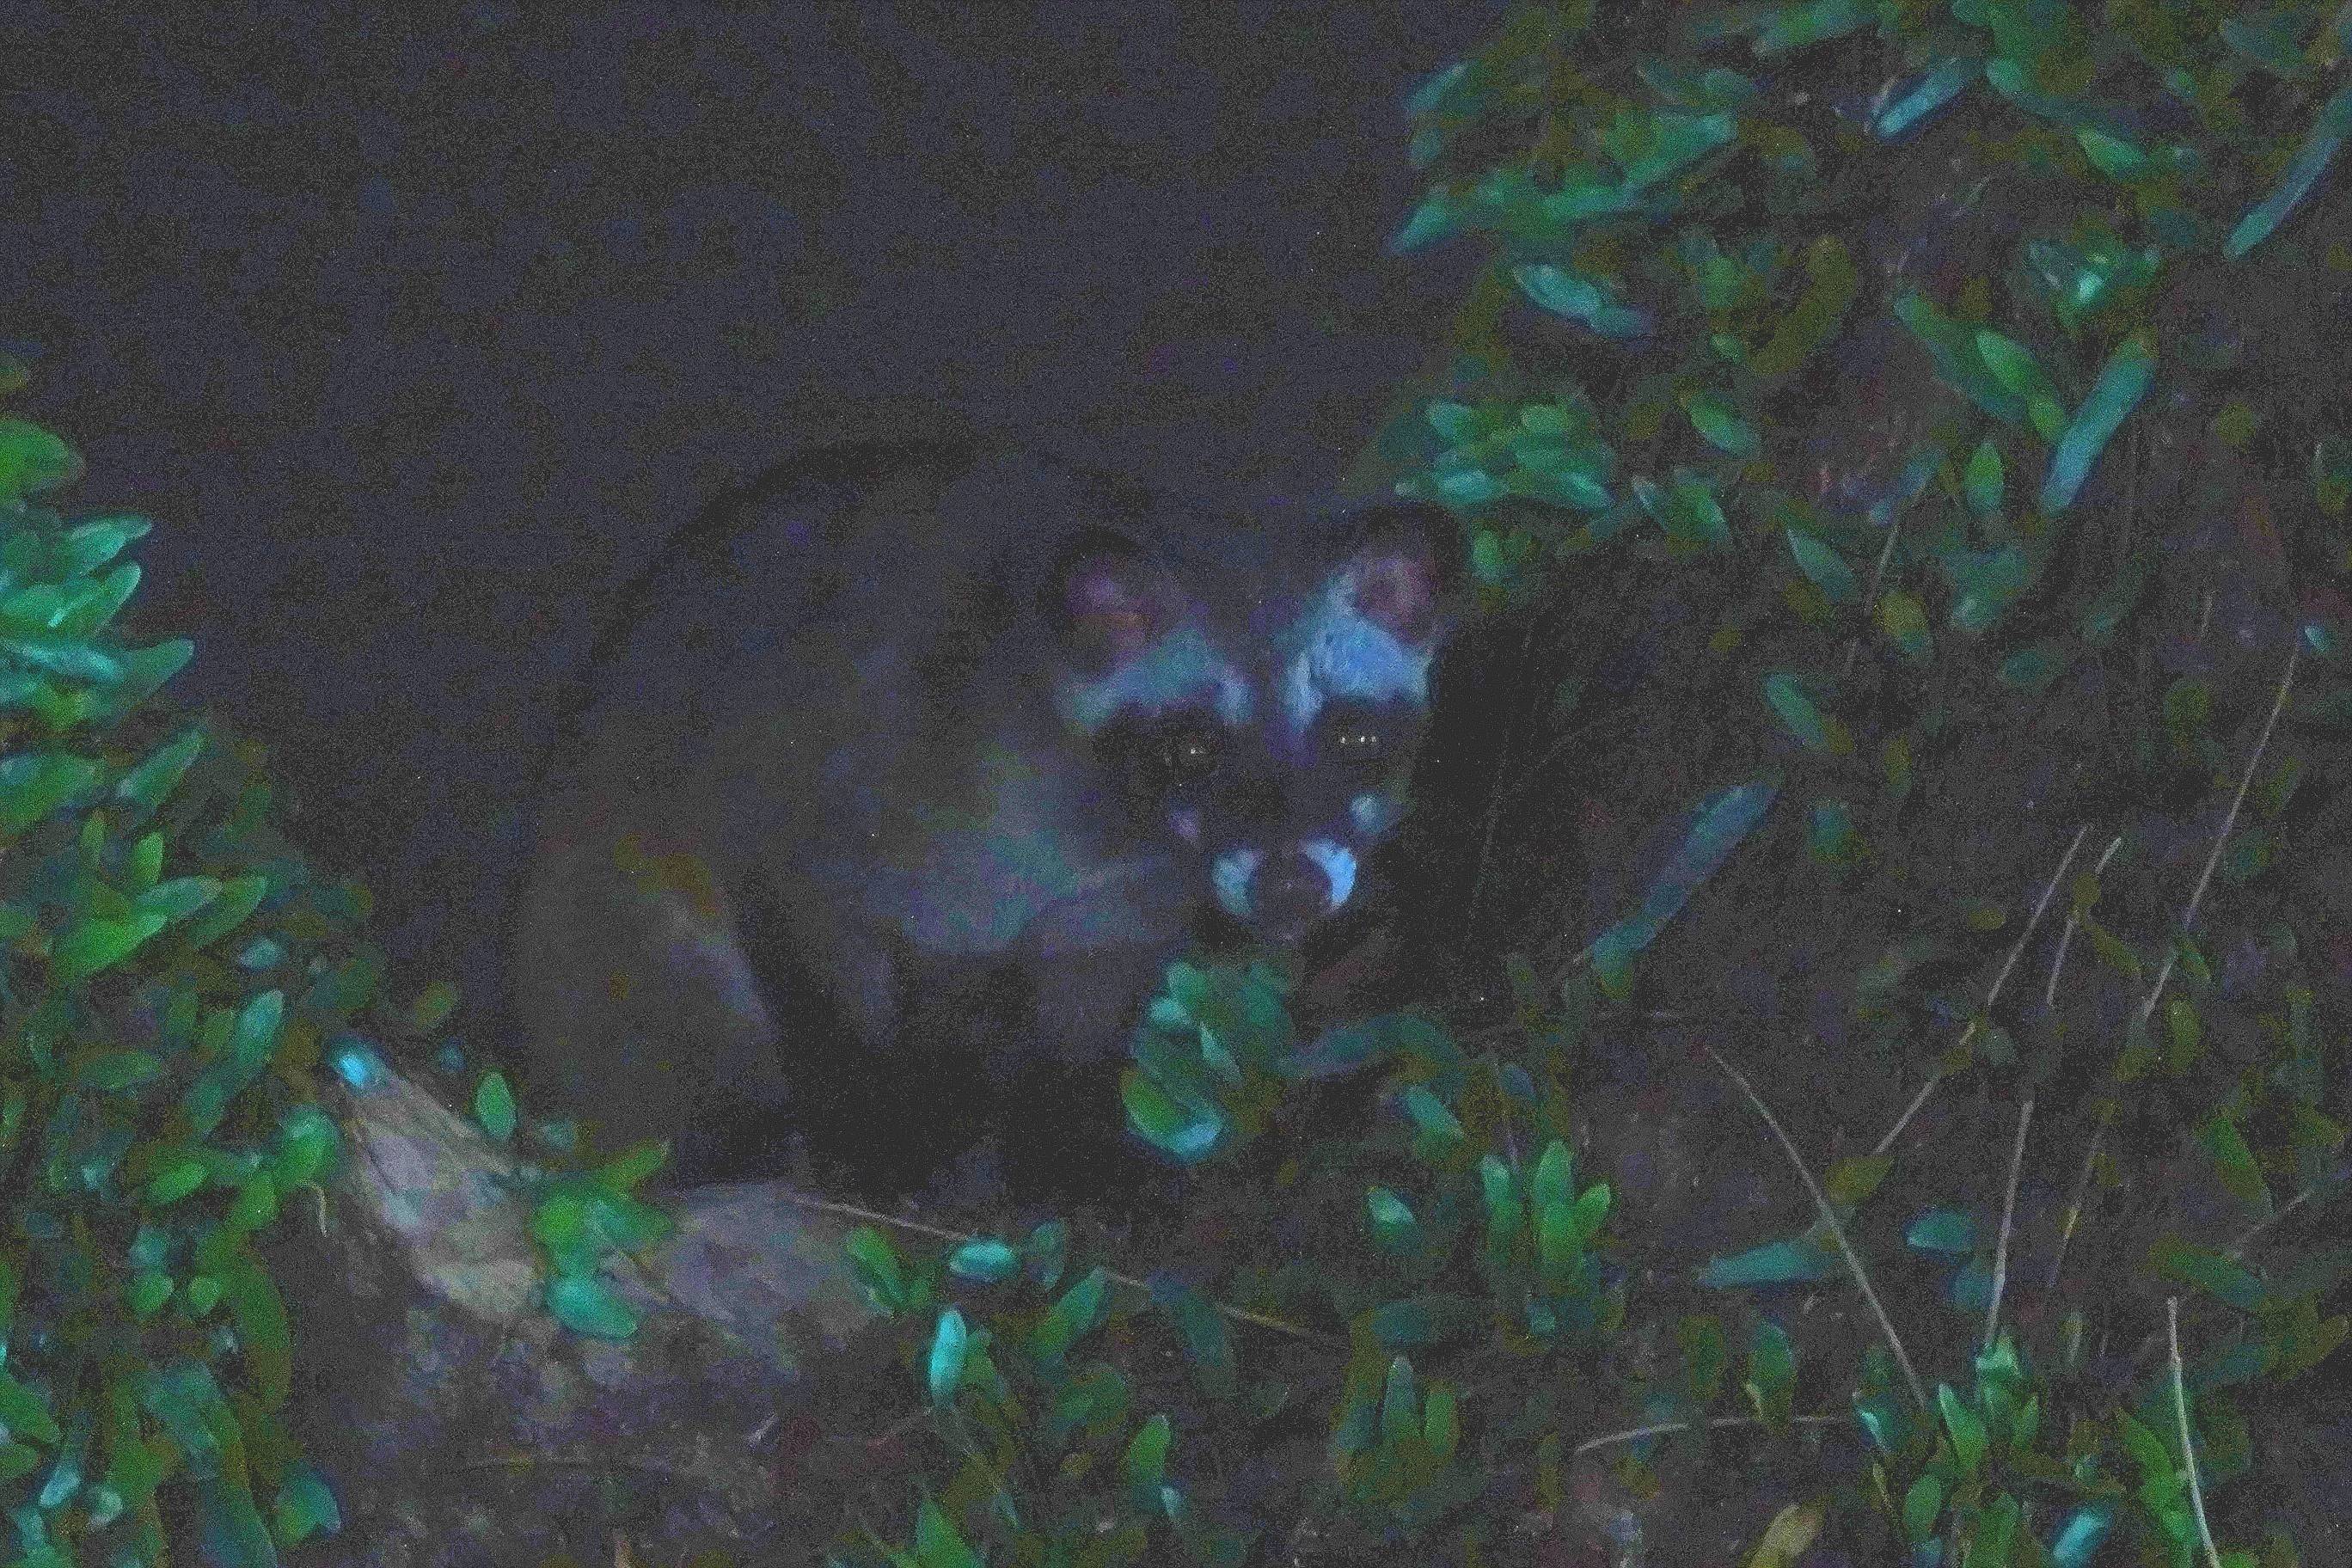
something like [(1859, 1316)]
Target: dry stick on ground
[(1829, 1218), (2188, 1448), (2164, 974), (2026, 1110), (1992, 992)]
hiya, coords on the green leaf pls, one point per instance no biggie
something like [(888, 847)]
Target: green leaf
[(1852, 1180), (1772, 1380), (2311, 161), (2121, 383), (1144, 1467), (1070, 1318), (1814, 319), (262, 1335), (1943, 1230), (1965, 1428), (1982, 482), (1942, 82), (937, 1544), (1823, 565), (1774, 1263), (2234, 1162), (304, 1506), (1801, 719), (25, 1415), (494, 1106), (2015, 367), (1714, 419), (1577, 298), (34, 786), (33, 460), (1904, 620), (1921, 1506), (2209, 1270)]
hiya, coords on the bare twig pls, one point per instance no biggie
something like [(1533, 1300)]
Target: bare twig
[(1495, 801), (2188, 919), (2074, 920), (1829, 1217), (2008, 1219), (1712, 1424), (1238, 1314), (2188, 1448), (1992, 992), (1870, 598)]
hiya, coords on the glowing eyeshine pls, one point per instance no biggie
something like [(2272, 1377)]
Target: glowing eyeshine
[(1344, 654), (1339, 864), (1229, 878), (1167, 674)]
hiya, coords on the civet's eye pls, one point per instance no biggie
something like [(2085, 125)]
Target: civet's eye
[(1187, 753), (1355, 737), (1170, 756)]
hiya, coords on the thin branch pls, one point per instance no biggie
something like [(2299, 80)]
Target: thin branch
[(1829, 1217), (1238, 1314), (1992, 992), (1877, 576), (2008, 1219), (2074, 922), (1712, 1424), (1495, 801), (2188, 920), (2188, 1448)]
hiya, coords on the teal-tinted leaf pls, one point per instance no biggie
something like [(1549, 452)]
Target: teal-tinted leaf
[(1564, 293), (1208, 1341), (1399, 1405), (1831, 285), (494, 1106), (239, 897), (1959, 365), (1186, 1132), (1904, 619), (229, 1530), (1965, 1426), (1943, 1230), (1070, 1318), (2105, 612), (304, 1506), (260, 1314), (2234, 1162), (1718, 825), (1918, 100), (93, 945), (1772, 1380), (2112, 156), (2311, 161), (1822, 564), (1774, 1263), (2209, 1270), (112, 1072), (2122, 382), (2076, 1544), (1832, 838), (35, 786), (1797, 712), (2015, 367), (1797, 23), (2030, 668), (1714, 419), (1435, 1128), (937, 1544), (1983, 480), (1438, 216), (26, 1414), (943, 1368), (1427, 97), (91, 544), (585, 1305), (1716, 89), (1144, 1467), (986, 1259), (1985, 583)]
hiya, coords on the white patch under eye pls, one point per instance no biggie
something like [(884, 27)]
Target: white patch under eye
[(1338, 865), (1172, 671), (1344, 654), (1374, 814), (1186, 825), (1229, 878)]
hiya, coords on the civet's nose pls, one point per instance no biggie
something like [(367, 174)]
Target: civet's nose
[(1290, 893)]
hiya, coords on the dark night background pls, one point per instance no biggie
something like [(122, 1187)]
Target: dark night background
[(416, 332)]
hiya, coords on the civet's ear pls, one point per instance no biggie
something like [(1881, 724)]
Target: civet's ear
[(1108, 597), (1405, 563)]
